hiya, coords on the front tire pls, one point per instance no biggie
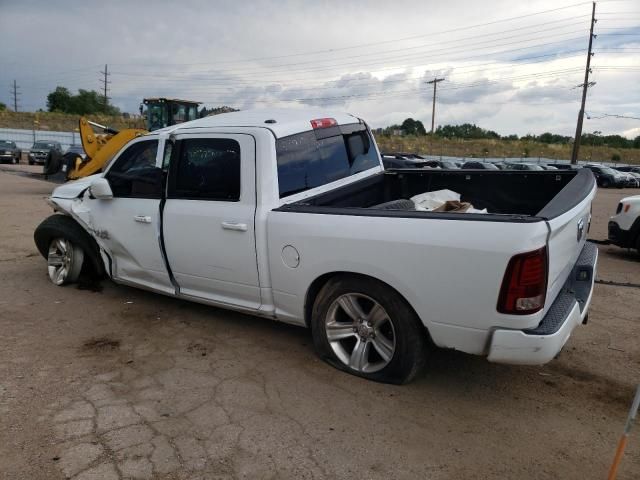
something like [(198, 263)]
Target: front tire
[(365, 328), (64, 261), (60, 235)]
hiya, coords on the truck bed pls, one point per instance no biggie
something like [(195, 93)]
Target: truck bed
[(507, 195)]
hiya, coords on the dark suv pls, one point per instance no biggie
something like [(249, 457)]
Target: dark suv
[(9, 152), (41, 149)]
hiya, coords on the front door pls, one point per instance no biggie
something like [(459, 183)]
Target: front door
[(209, 214), (128, 225)]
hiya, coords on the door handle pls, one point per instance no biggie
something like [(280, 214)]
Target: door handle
[(142, 219), (240, 227)]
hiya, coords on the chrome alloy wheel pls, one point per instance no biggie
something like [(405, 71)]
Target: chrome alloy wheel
[(64, 261), (360, 332)]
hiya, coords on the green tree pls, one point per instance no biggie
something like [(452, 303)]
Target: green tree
[(59, 100), (85, 102), (413, 127)]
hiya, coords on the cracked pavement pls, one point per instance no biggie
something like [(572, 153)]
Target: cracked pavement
[(122, 383)]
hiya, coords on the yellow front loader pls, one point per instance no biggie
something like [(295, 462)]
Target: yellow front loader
[(100, 148)]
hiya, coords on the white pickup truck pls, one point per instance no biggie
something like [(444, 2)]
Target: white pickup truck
[(289, 215)]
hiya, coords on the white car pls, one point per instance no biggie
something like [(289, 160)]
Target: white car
[(290, 215), (624, 226)]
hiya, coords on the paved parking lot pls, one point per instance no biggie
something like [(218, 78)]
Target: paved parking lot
[(112, 382)]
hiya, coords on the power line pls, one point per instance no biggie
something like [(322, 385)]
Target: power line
[(382, 42)]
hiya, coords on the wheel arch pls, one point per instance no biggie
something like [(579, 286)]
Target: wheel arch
[(62, 223), (317, 285)]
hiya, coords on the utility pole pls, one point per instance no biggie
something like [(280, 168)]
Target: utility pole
[(433, 109), (15, 93), (585, 86), (105, 82)]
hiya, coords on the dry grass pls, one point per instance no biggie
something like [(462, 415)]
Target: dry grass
[(62, 122), (500, 148)]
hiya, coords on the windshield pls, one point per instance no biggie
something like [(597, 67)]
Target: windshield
[(449, 165), (45, 145), (609, 171), (535, 167), (5, 144), (305, 162)]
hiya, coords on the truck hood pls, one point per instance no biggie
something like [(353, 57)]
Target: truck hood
[(75, 188)]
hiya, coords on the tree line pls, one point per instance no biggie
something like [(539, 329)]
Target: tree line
[(470, 131)]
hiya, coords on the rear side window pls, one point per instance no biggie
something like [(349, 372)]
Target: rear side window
[(305, 162), (207, 169)]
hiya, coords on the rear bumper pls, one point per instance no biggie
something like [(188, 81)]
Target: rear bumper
[(541, 344)]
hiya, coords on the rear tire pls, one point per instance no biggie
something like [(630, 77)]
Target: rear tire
[(605, 184), (365, 328)]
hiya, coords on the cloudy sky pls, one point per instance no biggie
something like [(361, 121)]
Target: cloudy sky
[(509, 66)]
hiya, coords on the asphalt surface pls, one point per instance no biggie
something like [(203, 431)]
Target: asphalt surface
[(108, 382)]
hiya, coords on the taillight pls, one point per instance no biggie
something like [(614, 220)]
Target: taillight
[(524, 286), (627, 207), (323, 123)]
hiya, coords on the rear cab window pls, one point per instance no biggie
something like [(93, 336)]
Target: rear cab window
[(318, 157)]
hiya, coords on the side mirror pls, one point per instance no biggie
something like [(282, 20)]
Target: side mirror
[(101, 189)]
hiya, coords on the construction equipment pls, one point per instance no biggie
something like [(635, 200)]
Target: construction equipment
[(102, 147)]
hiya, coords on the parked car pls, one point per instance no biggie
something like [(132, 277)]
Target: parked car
[(631, 181), (631, 178), (76, 149), (547, 167), (629, 169), (446, 164), (624, 226), (524, 166), (290, 216), (396, 160), (40, 150), (607, 177), (473, 164), (564, 166), (9, 152)]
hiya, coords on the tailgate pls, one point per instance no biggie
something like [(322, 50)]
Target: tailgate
[(567, 230)]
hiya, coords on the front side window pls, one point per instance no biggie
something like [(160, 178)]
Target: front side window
[(207, 169), (134, 173), (305, 162)]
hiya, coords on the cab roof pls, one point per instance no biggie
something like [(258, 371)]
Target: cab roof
[(282, 122)]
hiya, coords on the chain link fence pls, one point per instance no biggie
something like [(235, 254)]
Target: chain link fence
[(24, 139)]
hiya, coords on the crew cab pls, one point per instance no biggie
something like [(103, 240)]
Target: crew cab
[(624, 226), (290, 215)]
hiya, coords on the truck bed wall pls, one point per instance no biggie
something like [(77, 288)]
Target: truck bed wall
[(500, 192)]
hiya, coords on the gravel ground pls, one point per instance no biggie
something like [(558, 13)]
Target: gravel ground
[(120, 383)]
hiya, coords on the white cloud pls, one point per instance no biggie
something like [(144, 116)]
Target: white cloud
[(223, 53)]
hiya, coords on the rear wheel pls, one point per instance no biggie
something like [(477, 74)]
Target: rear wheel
[(606, 184), (366, 328)]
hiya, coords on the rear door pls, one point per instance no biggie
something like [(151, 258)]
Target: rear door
[(128, 225), (208, 218)]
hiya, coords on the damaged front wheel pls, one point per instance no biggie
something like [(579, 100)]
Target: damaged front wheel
[(64, 261)]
